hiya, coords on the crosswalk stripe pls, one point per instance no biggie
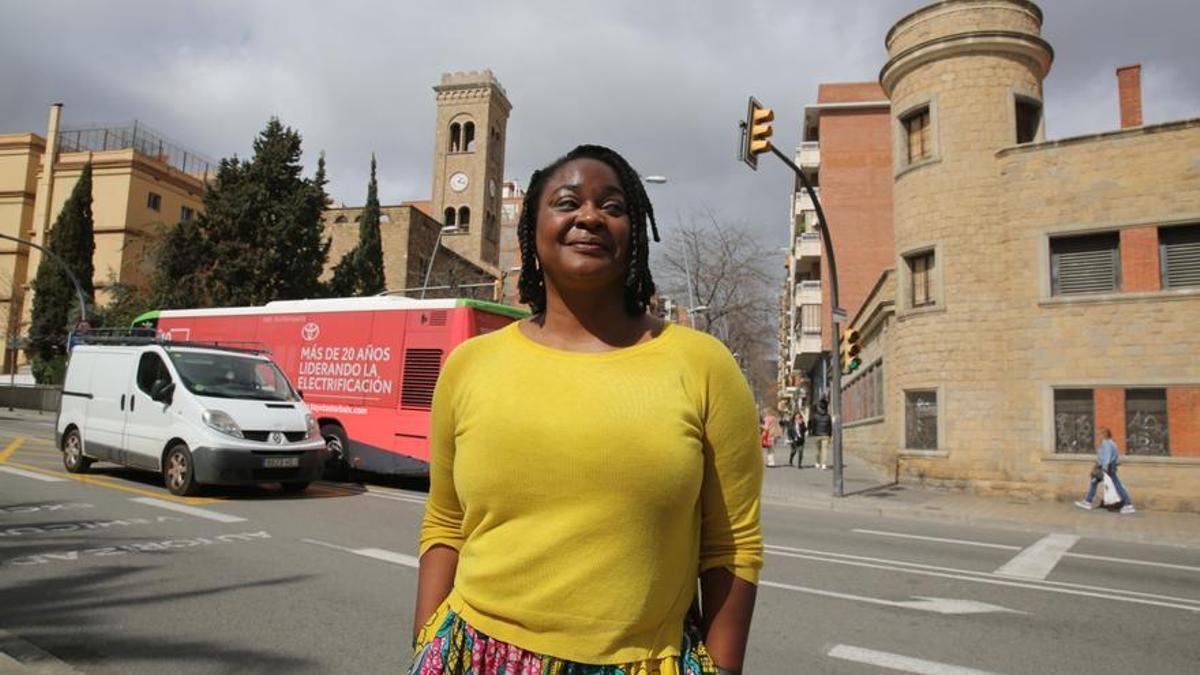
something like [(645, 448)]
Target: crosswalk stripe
[(374, 553), (905, 664), (1038, 560)]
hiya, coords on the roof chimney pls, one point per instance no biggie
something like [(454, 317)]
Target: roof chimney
[(1129, 88)]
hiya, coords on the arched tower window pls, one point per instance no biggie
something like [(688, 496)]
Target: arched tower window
[(464, 217), (468, 144), (455, 137), (449, 216)]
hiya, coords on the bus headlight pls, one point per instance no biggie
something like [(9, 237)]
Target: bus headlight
[(222, 422)]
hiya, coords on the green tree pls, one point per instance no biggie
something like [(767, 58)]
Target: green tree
[(360, 271), (55, 302), (260, 237), (126, 304)]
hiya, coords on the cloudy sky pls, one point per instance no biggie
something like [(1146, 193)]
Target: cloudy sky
[(663, 82)]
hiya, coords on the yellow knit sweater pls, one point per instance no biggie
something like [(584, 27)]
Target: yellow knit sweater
[(585, 492)]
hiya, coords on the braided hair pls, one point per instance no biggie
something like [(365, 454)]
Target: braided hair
[(639, 286)]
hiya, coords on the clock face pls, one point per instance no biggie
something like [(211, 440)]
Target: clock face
[(459, 182)]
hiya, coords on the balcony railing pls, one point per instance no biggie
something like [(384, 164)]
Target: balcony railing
[(143, 140), (803, 203), (808, 245), (808, 155), (808, 293)]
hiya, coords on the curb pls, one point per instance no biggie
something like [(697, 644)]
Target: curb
[(21, 656), (910, 512)]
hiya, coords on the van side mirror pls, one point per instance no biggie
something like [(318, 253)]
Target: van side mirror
[(163, 392)]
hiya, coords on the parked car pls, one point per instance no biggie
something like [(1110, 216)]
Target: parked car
[(199, 415)]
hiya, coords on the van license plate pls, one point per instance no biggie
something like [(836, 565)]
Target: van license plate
[(281, 462)]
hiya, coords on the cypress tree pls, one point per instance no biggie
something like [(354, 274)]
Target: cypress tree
[(55, 303), (370, 242)]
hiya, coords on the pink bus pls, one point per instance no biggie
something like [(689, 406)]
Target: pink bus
[(365, 366)]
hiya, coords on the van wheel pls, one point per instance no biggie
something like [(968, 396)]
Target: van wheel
[(337, 466), (178, 472), (73, 459), (293, 488)]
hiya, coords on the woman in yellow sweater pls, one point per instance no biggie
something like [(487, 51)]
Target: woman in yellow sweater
[(589, 464)]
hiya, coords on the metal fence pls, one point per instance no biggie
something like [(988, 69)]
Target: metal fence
[(141, 138), (41, 398)]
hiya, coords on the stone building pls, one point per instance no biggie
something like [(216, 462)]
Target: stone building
[(142, 183), (1039, 289)]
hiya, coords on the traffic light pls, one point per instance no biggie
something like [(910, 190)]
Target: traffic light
[(756, 132), (851, 346)]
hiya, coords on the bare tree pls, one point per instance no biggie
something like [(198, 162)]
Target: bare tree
[(732, 292)]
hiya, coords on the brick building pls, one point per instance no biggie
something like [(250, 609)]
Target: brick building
[(846, 155), (1038, 289)]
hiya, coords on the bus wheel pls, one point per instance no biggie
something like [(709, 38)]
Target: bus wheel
[(178, 472), (73, 459), (337, 467)]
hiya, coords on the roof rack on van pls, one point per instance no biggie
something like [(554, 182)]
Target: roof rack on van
[(149, 336)]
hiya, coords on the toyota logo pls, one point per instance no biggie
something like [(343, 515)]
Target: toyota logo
[(310, 331)]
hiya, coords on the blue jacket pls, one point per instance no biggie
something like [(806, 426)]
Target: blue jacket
[(1107, 454)]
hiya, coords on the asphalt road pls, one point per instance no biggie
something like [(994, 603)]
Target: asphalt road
[(112, 574)]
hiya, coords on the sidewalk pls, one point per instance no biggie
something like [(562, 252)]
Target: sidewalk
[(870, 492)]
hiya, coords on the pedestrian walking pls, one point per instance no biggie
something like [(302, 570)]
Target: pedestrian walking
[(820, 427), (572, 510), (796, 434), (1107, 459), (770, 434)]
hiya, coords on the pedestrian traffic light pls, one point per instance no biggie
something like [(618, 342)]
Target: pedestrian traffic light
[(851, 346), (756, 132)]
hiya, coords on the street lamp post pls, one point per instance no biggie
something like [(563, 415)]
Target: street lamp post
[(687, 266), (446, 229)]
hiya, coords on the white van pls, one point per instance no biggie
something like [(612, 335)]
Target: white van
[(199, 415)]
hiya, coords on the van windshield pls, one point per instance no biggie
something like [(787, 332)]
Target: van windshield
[(231, 376)]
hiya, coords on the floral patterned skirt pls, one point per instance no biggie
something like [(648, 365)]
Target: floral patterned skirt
[(446, 645)]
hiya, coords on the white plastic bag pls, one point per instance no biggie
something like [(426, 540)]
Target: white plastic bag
[(1111, 496)]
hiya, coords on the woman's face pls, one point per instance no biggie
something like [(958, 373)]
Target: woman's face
[(583, 228)]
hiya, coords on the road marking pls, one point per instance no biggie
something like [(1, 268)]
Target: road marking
[(93, 480), (938, 605), (1103, 593), (1131, 561), (1010, 547), (375, 553), (11, 448), (379, 493), (190, 510), (940, 540), (1039, 559), (32, 474), (905, 664)]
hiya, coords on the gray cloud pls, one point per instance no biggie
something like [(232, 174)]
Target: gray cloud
[(663, 82)]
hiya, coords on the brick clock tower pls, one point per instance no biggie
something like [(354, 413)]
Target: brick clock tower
[(468, 162)]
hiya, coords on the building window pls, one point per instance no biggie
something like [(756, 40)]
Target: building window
[(920, 274), (810, 319), (863, 398), (450, 217), (1146, 428), (1029, 118), (1087, 264), (918, 136), (1179, 253), (154, 201), (468, 143), (1074, 421), (464, 217), (340, 219), (186, 213), (920, 420), (455, 137)]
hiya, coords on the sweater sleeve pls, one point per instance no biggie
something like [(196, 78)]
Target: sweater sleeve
[(443, 512), (730, 533)]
